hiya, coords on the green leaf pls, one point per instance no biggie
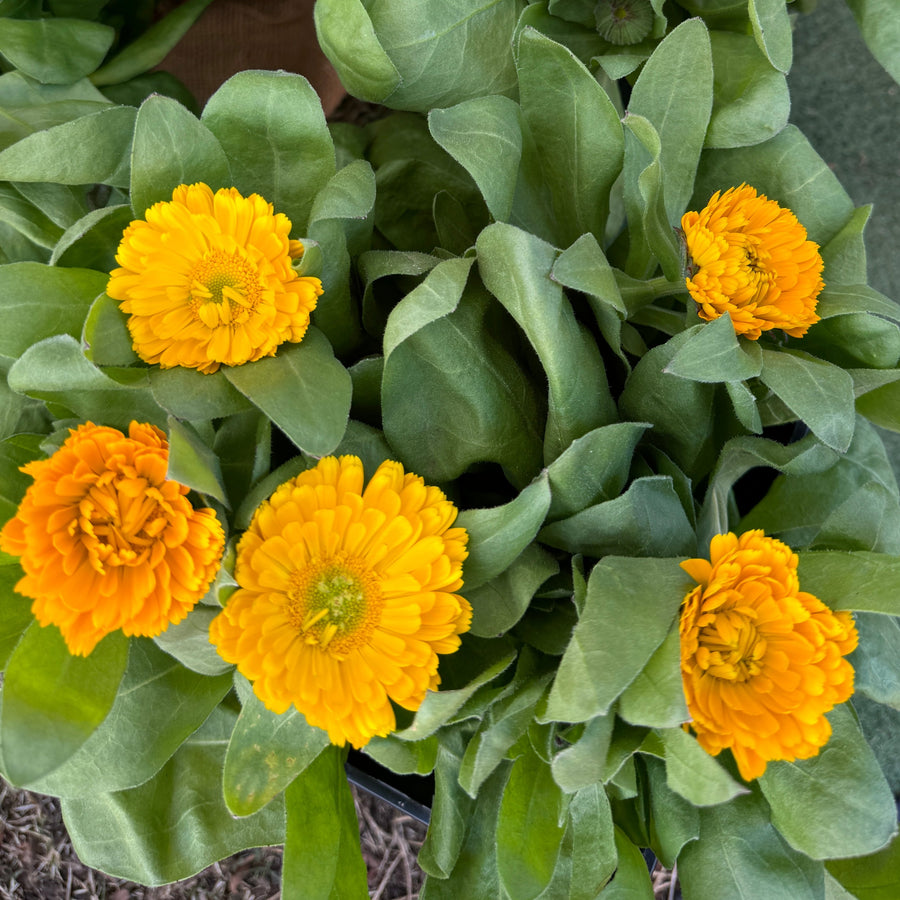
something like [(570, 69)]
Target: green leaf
[(176, 823), (606, 653), (656, 696), (91, 242), (451, 809), (189, 394), (105, 336), (880, 27), (651, 239), (593, 468), (453, 393), (806, 458), (632, 880), (820, 394), (647, 520), (845, 254), (583, 763), (159, 704), (862, 581), (348, 39), (837, 803), (55, 51), (498, 604), (751, 102), (188, 641), (273, 131), (53, 701), (15, 612), (440, 706), (474, 829), (772, 30), (15, 451), (684, 413), (855, 340), (673, 821), (404, 757), (151, 47), (675, 93), (798, 506), (874, 661), (56, 370), (26, 219), (529, 832), (842, 299), (587, 858), (693, 773), (37, 301), (266, 753), (787, 169), (713, 353), (505, 722), (322, 859), (172, 148), (584, 267), (442, 52), (515, 267), (740, 854), (191, 462), (873, 877), (484, 135), (92, 148), (499, 534), (304, 390), (577, 135)]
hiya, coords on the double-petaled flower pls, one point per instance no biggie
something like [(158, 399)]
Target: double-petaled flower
[(107, 541), (761, 660)]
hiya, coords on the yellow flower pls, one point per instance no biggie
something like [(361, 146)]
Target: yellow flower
[(347, 595), (761, 661), (107, 542), (207, 280), (750, 258)]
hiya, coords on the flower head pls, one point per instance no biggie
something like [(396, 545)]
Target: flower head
[(347, 595), (107, 542), (624, 21), (750, 258), (761, 661), (207, 280)]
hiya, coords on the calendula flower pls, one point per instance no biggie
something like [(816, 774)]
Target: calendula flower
[(750, 257), (346, 597), (207, 280), (107, 542), (624, 21), (761, 660)]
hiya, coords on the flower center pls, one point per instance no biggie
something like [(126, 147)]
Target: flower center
[(335, 603), (119, 521), (731, 647), (225, 289)]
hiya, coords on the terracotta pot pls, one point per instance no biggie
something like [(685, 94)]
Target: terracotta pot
[(234, 35)]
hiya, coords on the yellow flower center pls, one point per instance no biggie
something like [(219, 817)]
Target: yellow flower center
[(225, 288), (730, 646), (335, 603), (119, 521)]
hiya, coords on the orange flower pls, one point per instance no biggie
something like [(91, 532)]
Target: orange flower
[(207, 280), (347, 596), (750, 258), (761, 661), (107, 542)]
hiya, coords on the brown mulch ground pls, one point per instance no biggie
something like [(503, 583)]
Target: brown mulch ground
[(37, 861)]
